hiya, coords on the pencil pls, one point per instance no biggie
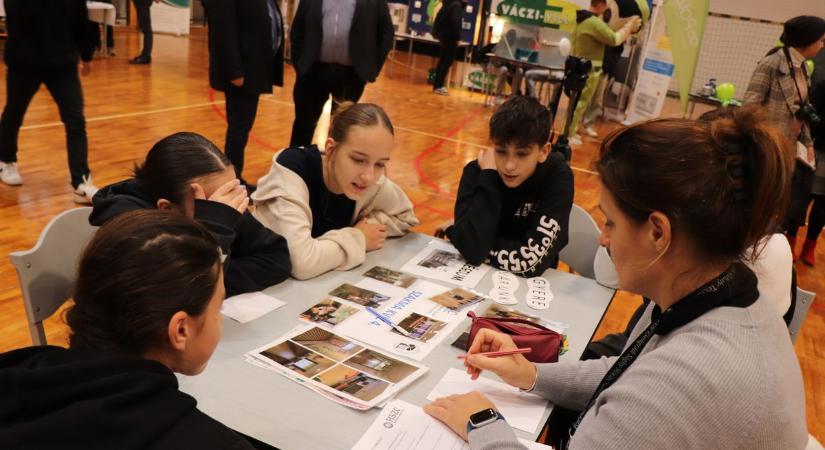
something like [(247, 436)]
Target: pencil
[(500, 353)]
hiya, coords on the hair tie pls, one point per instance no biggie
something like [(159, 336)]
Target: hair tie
[(736, 161)]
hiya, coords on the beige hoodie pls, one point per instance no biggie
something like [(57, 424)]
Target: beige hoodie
[(282, 205)]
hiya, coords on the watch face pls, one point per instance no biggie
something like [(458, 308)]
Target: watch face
[(483, 416)]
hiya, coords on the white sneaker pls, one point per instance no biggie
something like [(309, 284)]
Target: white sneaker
[(441, 91), (84, 192), (9, 174), (591, 132), (575, 140)]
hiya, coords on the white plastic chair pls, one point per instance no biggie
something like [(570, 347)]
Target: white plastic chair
[(804, 300), (582, 244), (47, 271)]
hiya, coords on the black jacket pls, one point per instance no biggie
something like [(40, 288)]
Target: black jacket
[(447, 23), (522, 229), (370, 38), (48, 32), (257, 257), (240, 45), (58, 398)]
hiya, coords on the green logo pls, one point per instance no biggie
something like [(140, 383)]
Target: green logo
[(557, 14), (177, 3), (481, 79)]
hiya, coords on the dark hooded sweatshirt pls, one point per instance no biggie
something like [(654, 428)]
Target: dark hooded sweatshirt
[(257, 257), (54, 398)]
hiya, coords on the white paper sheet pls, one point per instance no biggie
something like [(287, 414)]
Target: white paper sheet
[(410, 308), (248, 307), (520, 409), (404, 426), (441, 261)]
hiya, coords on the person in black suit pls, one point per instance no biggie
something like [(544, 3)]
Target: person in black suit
[(246, 57), (338, 46), (144, 18), (46, 40)]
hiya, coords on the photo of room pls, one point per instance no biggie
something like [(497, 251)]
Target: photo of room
[(457, 298), (441, 260), (359, 295), (390, 276), (421, 327), (327, 344), (297, 358), (355, 383), (381, 366)]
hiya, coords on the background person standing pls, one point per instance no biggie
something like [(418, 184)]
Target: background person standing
[(338, 46), (246, 57), (46, 37), (144, 17)]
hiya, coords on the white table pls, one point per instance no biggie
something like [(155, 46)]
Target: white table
[(428, 40), (99, 12), (281, 413)]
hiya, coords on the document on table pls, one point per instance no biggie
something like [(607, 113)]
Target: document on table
[(521, 409), (404, 426), (441, 261), (248, 307)]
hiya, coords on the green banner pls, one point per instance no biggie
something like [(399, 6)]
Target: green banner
[(177, 3), (556, 14), (685, 21)]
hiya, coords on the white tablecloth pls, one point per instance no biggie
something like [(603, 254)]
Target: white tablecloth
[(98, 12)]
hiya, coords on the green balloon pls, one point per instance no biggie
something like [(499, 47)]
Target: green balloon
[(725, 92), (809, 66)]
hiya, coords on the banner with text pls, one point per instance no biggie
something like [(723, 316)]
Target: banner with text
[(685, 28)]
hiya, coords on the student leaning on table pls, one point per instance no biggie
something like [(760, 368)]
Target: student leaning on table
[(683, 201), (336, 205), (132, 327)]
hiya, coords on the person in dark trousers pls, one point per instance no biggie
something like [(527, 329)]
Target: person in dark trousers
[(816, 217), (514, 201), (447, 29), (338, 46), (132, 327), (144, 18), (246, 57), (187, 174), (45, 40)]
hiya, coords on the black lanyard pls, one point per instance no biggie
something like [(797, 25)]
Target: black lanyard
[(736, 287), (793, 75)]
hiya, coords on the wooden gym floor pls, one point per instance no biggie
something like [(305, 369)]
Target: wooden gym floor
[(128, 108)]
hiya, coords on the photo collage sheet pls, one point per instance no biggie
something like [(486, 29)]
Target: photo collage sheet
[(350, 347)]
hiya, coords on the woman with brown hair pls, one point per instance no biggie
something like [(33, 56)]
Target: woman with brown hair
[(335, 206), (710, 363), (132, 328)]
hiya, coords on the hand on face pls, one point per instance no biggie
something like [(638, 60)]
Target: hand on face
[(455, 410), (487, 159), (232, 193), (515, 370)]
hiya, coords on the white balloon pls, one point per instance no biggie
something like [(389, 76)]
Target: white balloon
[(564, 47)]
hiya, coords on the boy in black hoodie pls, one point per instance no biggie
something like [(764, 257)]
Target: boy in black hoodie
[(514, 201)]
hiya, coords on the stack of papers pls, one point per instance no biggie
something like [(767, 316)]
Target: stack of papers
[(248, 307)]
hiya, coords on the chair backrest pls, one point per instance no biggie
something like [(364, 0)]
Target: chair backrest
[(47, 271), (605, 270), (582, 244), (804, 300)]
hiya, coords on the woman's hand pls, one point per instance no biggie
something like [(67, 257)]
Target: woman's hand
[(232, 194), (455, 410), (515, 370), (375, 234)]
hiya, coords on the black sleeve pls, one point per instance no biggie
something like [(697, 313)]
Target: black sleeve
[(220, 220), (298, 31), (85, 32), (818, 102), (259, 258), (477, 209), (385, 34), (457, 12), (547, 233), (222, 18)]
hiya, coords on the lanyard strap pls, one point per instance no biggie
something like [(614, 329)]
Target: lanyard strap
[(622, 363)]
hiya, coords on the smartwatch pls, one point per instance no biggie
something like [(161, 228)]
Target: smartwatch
[(482, 418)]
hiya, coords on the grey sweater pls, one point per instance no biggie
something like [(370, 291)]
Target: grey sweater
[(729, 380)]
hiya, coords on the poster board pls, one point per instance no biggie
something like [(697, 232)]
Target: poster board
[(171, 16)]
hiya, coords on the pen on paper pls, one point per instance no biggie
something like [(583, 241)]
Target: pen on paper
[(388, 321)]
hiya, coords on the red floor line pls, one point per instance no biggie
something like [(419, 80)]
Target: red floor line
[(422, 175), (442, 213), (252, 136)]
